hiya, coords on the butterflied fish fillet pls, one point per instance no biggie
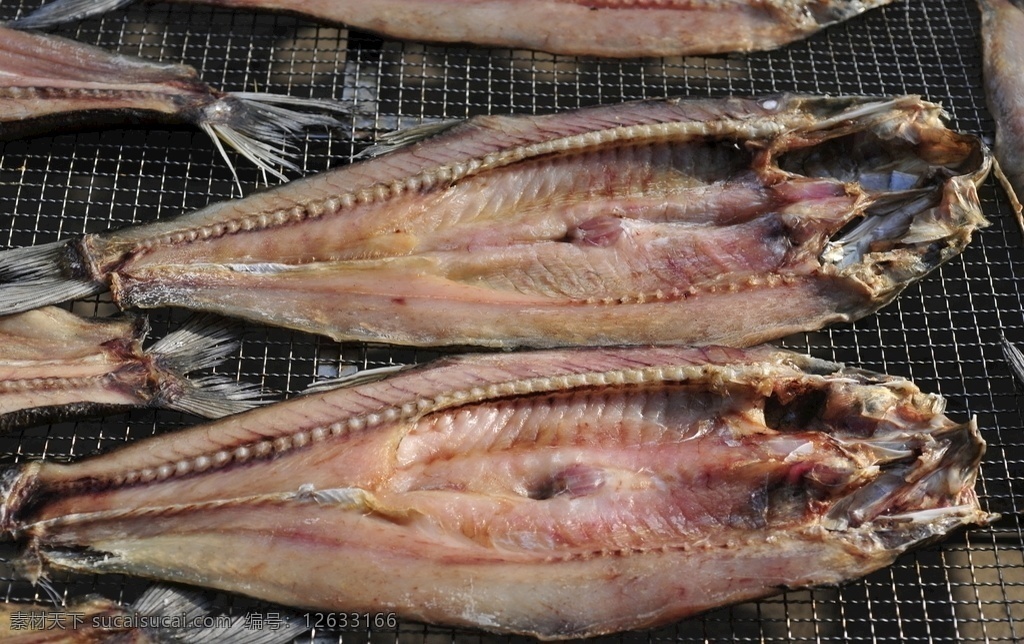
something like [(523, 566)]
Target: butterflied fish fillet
[(1002, 30), (160, 615), (617, 28), (54, 364), (526, 493), (50, 83), (652, 222)]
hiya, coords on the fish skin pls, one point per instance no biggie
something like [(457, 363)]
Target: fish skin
[(51, 83), (55, 365), (1002, 32), (610, 28), (484, 490), (641, 223)]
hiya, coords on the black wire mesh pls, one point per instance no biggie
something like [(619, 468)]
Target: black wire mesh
[(943, 333)]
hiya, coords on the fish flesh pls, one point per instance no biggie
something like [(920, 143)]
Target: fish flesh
[(643, 223), (482, 490), (54, 364), (1002, 33), (611, 28), (160, 615), (48, 82)]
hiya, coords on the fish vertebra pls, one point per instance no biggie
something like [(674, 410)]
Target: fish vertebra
[(48, 82), (54, 364), (1002, 31), (650, 222), (526, 493), (614, 28)]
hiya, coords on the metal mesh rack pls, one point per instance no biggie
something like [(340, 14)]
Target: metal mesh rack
[(943, 333)]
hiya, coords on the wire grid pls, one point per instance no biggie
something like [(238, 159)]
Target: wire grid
[(943, 333)]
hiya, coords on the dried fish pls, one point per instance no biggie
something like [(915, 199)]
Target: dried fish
[(652, 222), (614, 28), (48, 82), (1002, 31), (161, 615), (482, 489), (54, 364)]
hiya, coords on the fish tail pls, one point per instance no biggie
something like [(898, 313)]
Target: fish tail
[(261, 127), (202, 343), (61, 11), (36, 276), (17, 485), (161, 600)]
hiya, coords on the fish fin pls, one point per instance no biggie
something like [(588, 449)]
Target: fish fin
[(260, 128), (1011, 194), (398, 139), (203, 342), (1014, 357), (34, 276), (353, 376), (17, 486), (188, 606), (217, 396), (61, 11)]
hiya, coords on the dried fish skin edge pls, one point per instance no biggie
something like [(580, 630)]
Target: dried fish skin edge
[(611, 28), (355, 254), (889, 472)]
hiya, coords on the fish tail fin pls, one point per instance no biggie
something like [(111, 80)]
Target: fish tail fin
[(17, 485), (195, 623), (1014, 358), (61, 11), (202, 343), (262, 126), (36, 276)]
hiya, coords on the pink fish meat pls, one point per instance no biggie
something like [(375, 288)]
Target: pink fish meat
[(614, 28), (658, 222), (526, 493)]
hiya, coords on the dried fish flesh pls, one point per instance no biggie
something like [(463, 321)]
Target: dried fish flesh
[(48, 82), (482, 489), (160, 615), (1002, 31), (651, 222), (54, 364), (614, 28)]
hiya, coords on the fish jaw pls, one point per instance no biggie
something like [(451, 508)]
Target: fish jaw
[(478, 490)]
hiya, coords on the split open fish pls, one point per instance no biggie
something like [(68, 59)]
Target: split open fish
[(54, 365), (730, 221), (613, 28), (526, 492)]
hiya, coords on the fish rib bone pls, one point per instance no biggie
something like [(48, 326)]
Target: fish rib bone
[(410, 410), (446, 174)]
